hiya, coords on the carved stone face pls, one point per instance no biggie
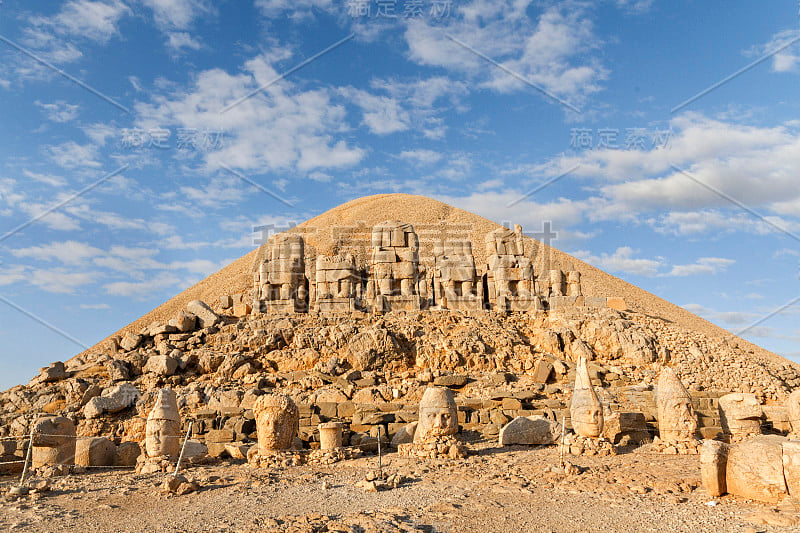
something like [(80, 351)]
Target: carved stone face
[(740, 414), (162, 432), (162, 438), (438, 414), (277, 422), (585, 410), (793, 407), (53, 441), (676, 418)]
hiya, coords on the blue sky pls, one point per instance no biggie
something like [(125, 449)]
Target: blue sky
[(130, 147)]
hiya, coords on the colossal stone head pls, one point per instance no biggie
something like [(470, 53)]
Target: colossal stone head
[(277, 422), (162, 432), (676, 418), (793, 408), (740, 414), (53, 441), (438, 414), (585, 410)]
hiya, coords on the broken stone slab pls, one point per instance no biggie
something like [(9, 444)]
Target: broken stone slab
[(95, 451), (112, 400), (206, 317), (713, 464), (530, 430), (404, 435), (542, 371), (127, 453), (161, 365), (453, 381), (54, 372), (184, 322), (130, 341), (755, 469)]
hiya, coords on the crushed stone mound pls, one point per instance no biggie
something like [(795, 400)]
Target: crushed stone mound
[(346, 226)]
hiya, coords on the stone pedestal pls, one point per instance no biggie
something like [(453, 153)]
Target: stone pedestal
[(330, 435)]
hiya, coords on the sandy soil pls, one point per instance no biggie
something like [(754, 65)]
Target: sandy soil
[(493, 491)]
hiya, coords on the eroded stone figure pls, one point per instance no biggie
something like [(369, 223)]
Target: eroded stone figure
[(740, 415), (277, 422), (162, 432), (53, 441), (676, 419), (396, 282), (585, 409), (438, 414), (509, 272), (454, 280), (279, 280)]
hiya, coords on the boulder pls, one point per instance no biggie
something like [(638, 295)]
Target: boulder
[(755, 469), (206, 317), (95, 451), (532, 430), (130, 341), (127, 453), (454, 381), (161, 365), (404, 435), (112, 400), (713, 464), (372, 349), (791, 467), (184, 322), (542, 371), (54, 372), (118, 370)]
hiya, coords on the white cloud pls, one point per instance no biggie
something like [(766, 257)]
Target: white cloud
[(382, 115), (87, 19), (294, 8), (49, 179), (704, 265), (788, 58), (553, 52), (58, 111), (95, 306), (59, 280), (421, 155), (177, 14), (279, 128), (68, 252), (142, 290), (73, 155), (622, 260), (178, 40), (635, 6)]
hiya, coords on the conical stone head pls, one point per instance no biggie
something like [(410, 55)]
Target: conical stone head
[(585, 409), (438, 414), (676, 418), (162, 431)]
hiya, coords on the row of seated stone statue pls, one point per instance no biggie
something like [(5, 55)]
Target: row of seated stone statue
[(396, 280)]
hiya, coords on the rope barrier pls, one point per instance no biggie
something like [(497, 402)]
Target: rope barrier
[(183, 448)]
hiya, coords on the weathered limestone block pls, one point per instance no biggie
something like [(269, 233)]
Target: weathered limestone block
[(585, 409), (161, 365), (621, 424), (791, 466), (793, 411), (330, 435), (112, 400), (95, 451), (574, 283), (740, 415), (542, 371), (438, 414), (127, 453), (755, 469), (509, 273), (163, 430), (405, 434), (372, 349), (455, 283), (130, 341), (206, 317), (676, 418), (53, 441), (713, 467), (532, 430), (184, 322), (280, 283), (277, 422)]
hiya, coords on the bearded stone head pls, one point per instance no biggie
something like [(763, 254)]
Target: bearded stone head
[(676, 418), (162, 432), (277, 422), (438, 414)]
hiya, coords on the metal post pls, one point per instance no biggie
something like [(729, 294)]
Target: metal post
[(561, 447), (27, 455), (380, 473), (183, 448)]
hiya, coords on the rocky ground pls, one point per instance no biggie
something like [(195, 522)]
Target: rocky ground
[(495, 489)]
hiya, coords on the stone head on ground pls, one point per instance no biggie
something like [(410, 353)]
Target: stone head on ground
[(585, 409), (162, 432), (438, 414), (53, 441), (676, 418), (277, 422)]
